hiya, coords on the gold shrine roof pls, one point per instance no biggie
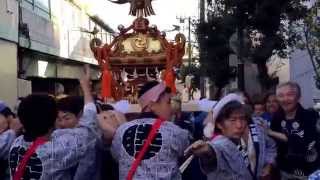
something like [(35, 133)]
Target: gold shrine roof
[(138, 48)]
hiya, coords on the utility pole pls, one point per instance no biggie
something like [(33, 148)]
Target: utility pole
[(189, 45), (241, 83), (202, 10), (189, 56), (182, 19), (202, 51), (241, 79)]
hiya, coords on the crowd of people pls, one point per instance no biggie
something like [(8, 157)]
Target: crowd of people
[(77, 138)]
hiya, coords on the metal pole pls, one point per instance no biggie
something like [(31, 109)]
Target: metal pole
[(68, 35), (189, 53), (202, 20), (189, 45), (202, 10), (241, 83)]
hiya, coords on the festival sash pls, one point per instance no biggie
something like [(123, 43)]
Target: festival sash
[(21, 168), (152, 134), (244, 152)]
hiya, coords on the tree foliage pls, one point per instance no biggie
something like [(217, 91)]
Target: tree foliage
[(270, 18), (310, 39), (214, 49)]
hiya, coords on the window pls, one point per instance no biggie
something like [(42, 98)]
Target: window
[(30, 1), (42, 6)]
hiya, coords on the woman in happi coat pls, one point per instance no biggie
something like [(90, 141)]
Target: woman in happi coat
[(239, 149)]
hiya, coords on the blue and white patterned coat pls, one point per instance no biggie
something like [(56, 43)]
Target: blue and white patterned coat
[(57, 159), (161, 160), (6, 140), (230, 164)]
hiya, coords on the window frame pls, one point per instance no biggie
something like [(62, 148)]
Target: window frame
[(36, 6)]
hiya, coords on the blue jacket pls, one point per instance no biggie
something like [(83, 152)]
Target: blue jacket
[(230, 164), (57, 158)]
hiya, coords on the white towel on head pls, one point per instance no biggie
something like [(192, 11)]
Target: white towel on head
[(122, 106), (2, 105), (206, 105), (208, 130)]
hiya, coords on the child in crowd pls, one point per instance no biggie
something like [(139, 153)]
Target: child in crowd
[(262, 116), (258, 108), (259, 111)]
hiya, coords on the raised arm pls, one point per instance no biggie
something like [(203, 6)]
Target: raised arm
[(89, 111), (70, 145), (206, 154)]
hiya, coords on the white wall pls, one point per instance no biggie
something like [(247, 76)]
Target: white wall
[(8, 72), (8, 50), (9, 20), (60, 34), (297, 68), (252, 83), (301, 71), (24, 87)]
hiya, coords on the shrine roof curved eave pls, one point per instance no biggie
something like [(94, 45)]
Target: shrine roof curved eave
[(142, 57), (138, 65), (160, 60)]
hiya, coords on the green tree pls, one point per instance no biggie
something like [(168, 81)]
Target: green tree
[(308, 33), (270, 18)]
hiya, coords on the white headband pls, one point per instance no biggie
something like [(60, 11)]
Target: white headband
[(212, 116), (152, 95)]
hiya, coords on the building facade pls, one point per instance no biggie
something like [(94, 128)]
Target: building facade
[(298, 68), (43, 42)]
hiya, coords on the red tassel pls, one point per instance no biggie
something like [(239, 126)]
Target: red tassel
[(170, 79), (106, 84)]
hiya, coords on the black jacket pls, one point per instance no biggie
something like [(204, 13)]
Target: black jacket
[(300, 155)]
